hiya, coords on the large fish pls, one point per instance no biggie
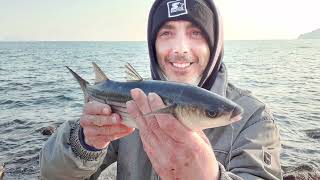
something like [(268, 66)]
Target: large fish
[(193, 106)]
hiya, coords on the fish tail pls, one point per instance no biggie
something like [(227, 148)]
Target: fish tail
[(83, 83)]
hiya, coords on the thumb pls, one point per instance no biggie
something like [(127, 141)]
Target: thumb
[(203, 136)]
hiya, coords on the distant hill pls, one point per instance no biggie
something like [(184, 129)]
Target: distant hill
[(311, 35)]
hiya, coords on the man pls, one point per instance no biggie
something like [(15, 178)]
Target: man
[(185, 45)]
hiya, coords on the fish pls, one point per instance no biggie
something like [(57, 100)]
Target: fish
[(194, 107)]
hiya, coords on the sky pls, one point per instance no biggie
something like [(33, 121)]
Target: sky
[(126, 20)]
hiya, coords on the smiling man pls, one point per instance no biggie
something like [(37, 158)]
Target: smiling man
[(185, 45), (182, 51)]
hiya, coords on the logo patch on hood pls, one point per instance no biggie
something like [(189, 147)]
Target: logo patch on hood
[(177, 8)]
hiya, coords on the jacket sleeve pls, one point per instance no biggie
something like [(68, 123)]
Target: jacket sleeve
[(63, 156), (256, 151)]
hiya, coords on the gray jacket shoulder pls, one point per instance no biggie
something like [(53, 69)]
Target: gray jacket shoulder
[(250, 148), (254, 109)]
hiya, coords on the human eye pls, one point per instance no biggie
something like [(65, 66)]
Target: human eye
[(164, 33), (196, 33)]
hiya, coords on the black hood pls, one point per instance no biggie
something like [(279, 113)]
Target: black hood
[(214, 35)]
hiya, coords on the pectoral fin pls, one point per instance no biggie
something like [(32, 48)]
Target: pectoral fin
[(166, 110)]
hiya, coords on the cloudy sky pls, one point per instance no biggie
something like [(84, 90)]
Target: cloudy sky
[(126, 20)]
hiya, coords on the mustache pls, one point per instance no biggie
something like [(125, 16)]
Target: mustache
[(181, 57)]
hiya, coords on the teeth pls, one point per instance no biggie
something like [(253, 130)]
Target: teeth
[(181, 65)]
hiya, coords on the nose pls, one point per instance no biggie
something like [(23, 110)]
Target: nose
[(181, 44)]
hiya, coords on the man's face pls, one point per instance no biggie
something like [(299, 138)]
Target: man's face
[(182, 51)]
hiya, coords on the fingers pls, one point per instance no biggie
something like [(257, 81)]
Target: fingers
[(167, 122), (105, 130), (99, 137), (94, 107), (151, 134), (156, 103), (99, 114), (99, 120), (101, 142), (142, 102), (100, 125), (109, 137), (164, 126), (147, 136), (135, 113)]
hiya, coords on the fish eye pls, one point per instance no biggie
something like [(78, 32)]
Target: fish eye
[(211, 114)]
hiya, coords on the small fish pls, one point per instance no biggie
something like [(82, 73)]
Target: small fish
[(194, 107)]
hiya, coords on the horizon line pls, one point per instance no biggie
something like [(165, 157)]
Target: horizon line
[(135, 40)]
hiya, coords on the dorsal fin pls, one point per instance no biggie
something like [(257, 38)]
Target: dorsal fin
[(100, 76), (132, 74)]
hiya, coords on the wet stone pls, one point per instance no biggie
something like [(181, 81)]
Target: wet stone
[(301, 173), (47, 131), (313, 133)]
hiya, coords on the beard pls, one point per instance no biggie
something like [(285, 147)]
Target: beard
[(188, 58)]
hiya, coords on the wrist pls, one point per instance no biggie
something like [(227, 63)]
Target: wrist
[(83, 142), (78, 149)]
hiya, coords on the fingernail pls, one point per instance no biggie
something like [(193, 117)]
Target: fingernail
[(132, 91), (129, 103), (151, 96), (114, 119), (135, 93)]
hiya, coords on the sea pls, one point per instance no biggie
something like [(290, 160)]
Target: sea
[(37, 91)]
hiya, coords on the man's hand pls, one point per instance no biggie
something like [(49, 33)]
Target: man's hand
[(100, 125), (174, 151)]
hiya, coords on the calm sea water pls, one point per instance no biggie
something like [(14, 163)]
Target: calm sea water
[(36, 91)]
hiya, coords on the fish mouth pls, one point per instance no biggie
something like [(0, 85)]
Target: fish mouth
[(236, 114)]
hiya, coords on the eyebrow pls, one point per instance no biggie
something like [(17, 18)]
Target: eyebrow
[(192, 26), (169, 26)]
